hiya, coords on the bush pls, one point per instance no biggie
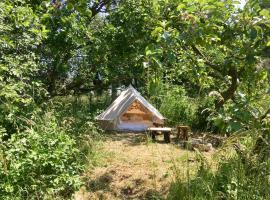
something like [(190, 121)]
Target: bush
[(238, 115), (204, 109), (240, 176), (177, 107), (39, 163), (77, 115)]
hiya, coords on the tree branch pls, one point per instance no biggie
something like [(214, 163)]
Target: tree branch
[(229, 93), (97, 7), (265, 115), (206, 61)]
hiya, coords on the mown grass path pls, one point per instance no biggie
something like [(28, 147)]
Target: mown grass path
[(136, 168)]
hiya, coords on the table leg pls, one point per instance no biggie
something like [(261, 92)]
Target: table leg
[(167, 138), (185, 134), (153, 135), (178, 133)]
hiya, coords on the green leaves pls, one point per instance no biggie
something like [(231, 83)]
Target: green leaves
[(157, 32), (177, 107), (180, 7), (20, 35), (42, 160), (265, 13)]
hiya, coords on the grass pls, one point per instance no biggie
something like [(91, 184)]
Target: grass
[(230, 175), (131, 166), (136, 168)]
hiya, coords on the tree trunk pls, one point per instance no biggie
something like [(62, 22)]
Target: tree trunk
[(229, 93), (52, 76), (114, 92)]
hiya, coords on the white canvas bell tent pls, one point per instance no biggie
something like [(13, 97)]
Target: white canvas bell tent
[(130, 111)]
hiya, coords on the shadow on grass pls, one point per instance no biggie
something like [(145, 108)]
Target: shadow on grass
[(138, 138), (129, 138), (153, 195), (132, 190), (101, 183)]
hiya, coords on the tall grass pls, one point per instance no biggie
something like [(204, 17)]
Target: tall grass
[(177, 107), (238, 175), (77, 114)]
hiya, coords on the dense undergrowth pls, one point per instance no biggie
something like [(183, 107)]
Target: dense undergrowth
[(242, 164), (46, 159), (240, 172), (40, 162), (232, 180)]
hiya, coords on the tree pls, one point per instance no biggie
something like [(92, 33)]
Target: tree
[(69, 34), (21, 33), (215, 42)]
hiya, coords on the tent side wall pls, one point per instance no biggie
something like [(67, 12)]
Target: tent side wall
[(106, 124), (134, 126), (119, 125)]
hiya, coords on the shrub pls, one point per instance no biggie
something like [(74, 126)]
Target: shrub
[(238, 176), (177, 107), (77, 115), (204, 109), (238, 115), (39, 163)]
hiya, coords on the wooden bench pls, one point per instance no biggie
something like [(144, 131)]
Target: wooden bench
[(165, 130)]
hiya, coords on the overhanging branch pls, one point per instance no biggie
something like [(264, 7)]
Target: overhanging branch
[(206, 61)]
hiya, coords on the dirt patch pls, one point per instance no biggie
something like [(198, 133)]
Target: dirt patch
[(136, 168)]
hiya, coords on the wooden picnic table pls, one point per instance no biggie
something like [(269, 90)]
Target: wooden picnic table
[(165, 130)]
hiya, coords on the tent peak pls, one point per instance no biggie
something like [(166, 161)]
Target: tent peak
[(131, 87)]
